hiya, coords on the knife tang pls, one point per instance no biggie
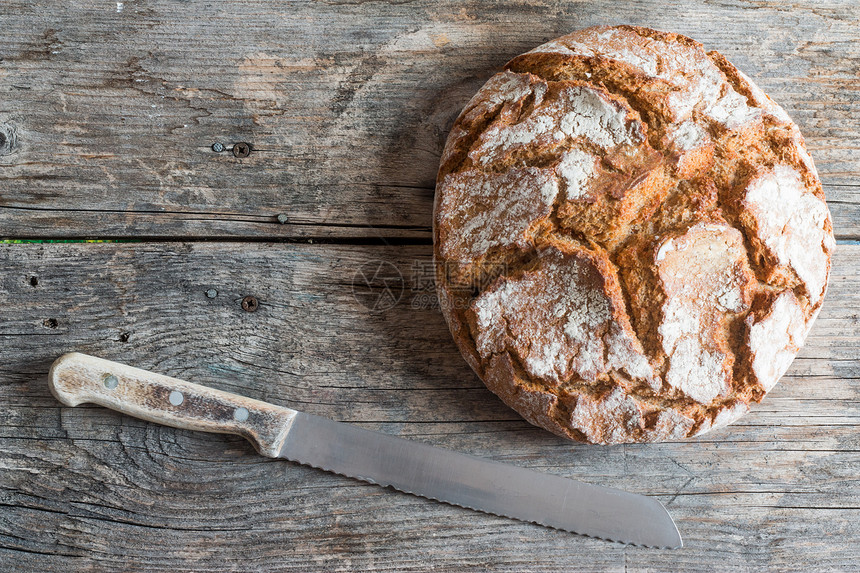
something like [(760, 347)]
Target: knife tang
[(78, 378)]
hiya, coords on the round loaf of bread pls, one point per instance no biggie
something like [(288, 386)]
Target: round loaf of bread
[(631, 239)]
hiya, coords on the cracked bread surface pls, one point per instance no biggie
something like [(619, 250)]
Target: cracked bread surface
[(631, 240)]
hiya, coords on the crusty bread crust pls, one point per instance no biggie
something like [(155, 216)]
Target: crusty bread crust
[(631, 240)]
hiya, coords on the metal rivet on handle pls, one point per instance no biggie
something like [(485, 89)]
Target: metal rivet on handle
[(111, 382), (176, 398), (240, 414)]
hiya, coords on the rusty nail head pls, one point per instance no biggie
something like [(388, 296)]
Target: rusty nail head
[(250, 304), (217, 147), (242, 149)]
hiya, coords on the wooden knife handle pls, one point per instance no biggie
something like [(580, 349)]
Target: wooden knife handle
[(78, 378)]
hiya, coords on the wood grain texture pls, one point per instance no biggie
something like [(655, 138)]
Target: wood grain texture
[(109, 110), (87, 488)]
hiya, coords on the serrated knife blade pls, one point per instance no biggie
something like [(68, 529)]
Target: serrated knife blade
[(480, 484), (409, 466)]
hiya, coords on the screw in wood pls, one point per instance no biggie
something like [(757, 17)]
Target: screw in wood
[(217, 147), (242, 149), (211, 293), (250, 304), (282, 219)]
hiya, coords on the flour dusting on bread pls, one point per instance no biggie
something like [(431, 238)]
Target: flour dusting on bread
[(792, 223), (563, 304), (705, 280), (631, 238)]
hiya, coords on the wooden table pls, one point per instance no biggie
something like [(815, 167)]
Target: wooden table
[(108, 115)]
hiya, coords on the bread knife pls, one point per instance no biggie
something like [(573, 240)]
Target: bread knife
[(409, 466)]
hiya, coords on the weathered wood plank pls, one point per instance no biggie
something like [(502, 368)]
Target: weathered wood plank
[(107, 117), (86, 488), (109, 110)]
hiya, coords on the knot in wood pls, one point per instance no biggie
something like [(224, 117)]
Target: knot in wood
[(8, 139)]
